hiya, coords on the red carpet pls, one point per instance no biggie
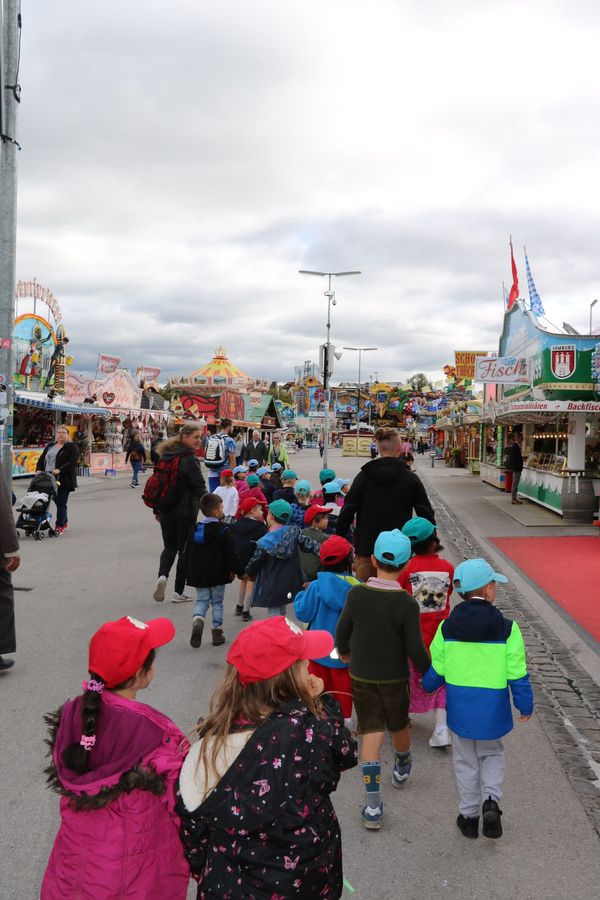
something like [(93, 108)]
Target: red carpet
[(566, 568)]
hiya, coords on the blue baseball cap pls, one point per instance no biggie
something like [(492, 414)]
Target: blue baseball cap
[(264, 470), (343, 481), (277, 467), (281, 510), (475, 573), (418, 529), (392, 548), (239, 469), (332, 487), (253, 463), (302, 487)]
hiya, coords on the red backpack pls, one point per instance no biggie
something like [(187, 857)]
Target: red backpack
[(161, 491)]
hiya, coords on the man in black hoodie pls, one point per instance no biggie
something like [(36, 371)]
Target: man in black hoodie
[(382, 497)]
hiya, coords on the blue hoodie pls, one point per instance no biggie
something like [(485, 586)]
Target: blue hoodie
[(276, 566), (321, 605)]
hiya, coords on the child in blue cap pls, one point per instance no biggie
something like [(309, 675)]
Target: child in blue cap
[(276, 560), (480, 655), (377, 632), (428, 578)]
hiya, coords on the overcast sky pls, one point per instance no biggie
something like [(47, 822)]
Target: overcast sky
[(181, 161)]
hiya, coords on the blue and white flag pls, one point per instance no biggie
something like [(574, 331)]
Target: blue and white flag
[(535, 301)]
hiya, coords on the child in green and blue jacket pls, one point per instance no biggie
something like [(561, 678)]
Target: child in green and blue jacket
[(479, 655)]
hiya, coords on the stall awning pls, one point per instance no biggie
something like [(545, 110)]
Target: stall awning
[(41, 401)]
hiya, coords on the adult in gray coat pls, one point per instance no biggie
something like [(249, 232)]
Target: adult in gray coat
[(9, 562)]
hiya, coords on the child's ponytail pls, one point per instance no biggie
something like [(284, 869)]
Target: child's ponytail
[(76, 757)]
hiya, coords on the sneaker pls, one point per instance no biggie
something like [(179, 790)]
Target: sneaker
[(218, 637), (440, 738), (159, 590), (6, 664), (180, 598), (59, 530), (238, 610), (372, 816), (468, 826), (197, 629), (246, 617), (492, 826), (401, 773)]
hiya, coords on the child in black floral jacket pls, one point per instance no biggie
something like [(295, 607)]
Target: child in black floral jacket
[(257, 820)]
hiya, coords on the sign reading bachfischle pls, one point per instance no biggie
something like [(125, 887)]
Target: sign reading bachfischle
[(501, 370), (464, 362)]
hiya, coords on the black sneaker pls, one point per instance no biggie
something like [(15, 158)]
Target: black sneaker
[(492, 826), (469, 827), (246, 617), (6, 664), (238, 610), (197, 629), (218, 637)]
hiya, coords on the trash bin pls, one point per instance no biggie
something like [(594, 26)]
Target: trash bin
[(508, 476)]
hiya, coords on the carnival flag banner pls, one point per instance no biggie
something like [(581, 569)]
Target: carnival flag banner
[(514, 291), (108, 364), (535, 301), (148, 373)]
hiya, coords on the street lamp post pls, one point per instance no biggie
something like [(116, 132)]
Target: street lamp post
[(360, 351), (330, 297), (592, 305)]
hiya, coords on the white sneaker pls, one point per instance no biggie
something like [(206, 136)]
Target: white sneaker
[(180, 598), (159, 590), (440, 738)]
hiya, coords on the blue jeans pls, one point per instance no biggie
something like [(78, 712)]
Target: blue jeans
[(62, 498), (276, 610), (210, 596), (136, 465)]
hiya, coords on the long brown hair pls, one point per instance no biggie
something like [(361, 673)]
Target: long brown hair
[(253, 703), (175, 442)]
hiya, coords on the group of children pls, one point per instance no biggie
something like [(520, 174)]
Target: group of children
[(246, 809)]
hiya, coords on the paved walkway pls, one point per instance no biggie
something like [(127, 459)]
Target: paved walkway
[(106, 565)]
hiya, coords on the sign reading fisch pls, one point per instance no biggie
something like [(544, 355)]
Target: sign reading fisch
[(501, 370)]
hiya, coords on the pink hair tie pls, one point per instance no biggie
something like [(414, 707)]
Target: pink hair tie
[(87, 741), (93, 685)]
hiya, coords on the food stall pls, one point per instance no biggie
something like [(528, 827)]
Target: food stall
[(556, 411)]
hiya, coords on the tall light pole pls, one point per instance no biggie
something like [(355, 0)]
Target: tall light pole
[(592, 305), (326, 355), (10, 30), (360, 351)]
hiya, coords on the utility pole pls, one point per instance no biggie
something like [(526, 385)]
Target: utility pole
[(11, 97)]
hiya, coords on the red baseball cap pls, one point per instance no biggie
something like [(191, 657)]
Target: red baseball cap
[(313, 511), (269, 647), (334, 550), (248, 503), (227, 472), (118, 649)]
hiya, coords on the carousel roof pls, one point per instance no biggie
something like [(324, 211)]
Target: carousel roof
[(220, 367)]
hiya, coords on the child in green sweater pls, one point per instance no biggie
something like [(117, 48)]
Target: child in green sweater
[(377, 632)]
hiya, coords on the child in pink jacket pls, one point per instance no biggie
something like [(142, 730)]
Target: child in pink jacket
[(115, 762)]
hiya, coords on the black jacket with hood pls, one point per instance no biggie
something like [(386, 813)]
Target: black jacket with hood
[(190, 482), (210, 557), (382, 497), (245, 533)]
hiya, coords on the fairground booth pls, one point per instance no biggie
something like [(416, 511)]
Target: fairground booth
[(545, 386), (42, 360), (220, 390)]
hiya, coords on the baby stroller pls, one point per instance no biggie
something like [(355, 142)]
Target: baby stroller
[(34, 518)]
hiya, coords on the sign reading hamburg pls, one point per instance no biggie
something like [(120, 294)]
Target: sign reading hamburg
[(563, 358)]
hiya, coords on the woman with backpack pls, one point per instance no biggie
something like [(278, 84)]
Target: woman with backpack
[(136, 455), (177, 485)]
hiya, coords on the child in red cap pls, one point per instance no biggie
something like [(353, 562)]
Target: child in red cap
[(228, 493), (245, 533), (115, 762), (316, 522), (320, 605), (254, 790)]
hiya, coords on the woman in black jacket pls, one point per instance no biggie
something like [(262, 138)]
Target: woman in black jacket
[(60, 458), (136, 455), (180, 451)]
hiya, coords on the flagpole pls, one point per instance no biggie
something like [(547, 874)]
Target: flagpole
[(503, 296)]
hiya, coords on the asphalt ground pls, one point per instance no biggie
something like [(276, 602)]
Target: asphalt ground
[(105, 566)]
